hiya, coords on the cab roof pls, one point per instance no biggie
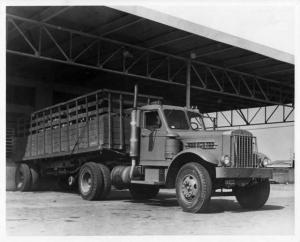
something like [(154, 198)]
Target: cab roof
[(161, 106)]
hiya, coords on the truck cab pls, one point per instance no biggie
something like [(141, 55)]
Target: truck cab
[(176, 150), (164, 129)]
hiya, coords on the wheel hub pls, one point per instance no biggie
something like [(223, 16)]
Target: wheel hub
[(86, 182), (189, 187)]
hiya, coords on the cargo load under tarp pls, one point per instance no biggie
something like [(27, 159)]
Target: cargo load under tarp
[(96, 121)]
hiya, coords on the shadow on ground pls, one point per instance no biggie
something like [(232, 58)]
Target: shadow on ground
[(217, 205), (163, 199)]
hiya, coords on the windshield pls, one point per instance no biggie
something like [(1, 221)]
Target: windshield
[(176, 119), (195, 120)]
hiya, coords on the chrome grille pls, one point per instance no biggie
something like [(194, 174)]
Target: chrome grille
[(242, 151)]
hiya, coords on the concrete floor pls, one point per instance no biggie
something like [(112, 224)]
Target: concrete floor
[(60, 213)]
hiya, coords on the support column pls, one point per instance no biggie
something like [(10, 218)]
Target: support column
[(188, 84)]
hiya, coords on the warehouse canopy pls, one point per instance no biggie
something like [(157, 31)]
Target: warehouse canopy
[(248, 32), (99, 46)]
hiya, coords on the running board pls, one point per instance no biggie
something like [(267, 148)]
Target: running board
[(147, 182)]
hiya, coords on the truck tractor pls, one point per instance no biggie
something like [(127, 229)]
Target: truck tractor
[(133, 141)]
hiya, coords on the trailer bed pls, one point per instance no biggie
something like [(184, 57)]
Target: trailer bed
[(96, 121)]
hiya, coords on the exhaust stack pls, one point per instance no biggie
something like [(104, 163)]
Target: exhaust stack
[(135, 134)]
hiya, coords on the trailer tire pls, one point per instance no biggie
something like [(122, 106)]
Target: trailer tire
[(143, 192), (35, 176), (23, 178), (106, 181), (193, 188), (253, 196), (90, 181)]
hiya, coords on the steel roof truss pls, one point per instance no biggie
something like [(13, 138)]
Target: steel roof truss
[(136, 61), (56, 43), (246, 85), (123, 26), (231, 82), (243, 120), (288, 115), (198, 76), (229, 122), (111, 56), (215, 78), (156, 59), (23, 35), (270, 116), (85, 49), (261, 89), (177, 73)]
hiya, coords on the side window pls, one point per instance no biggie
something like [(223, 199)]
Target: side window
[(152, 120), (196, 123)]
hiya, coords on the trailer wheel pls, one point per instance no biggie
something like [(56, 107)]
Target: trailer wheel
[(106, 181), (90, 181), (34, 177), (23, 178), (193, 188), (143, 192), (253, 196)]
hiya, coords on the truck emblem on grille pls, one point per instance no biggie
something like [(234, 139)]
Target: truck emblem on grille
[(202, 145)]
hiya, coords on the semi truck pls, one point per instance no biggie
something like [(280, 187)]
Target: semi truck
[(132, 141)]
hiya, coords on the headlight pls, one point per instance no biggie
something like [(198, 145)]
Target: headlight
[(266, 161), (225, 160)]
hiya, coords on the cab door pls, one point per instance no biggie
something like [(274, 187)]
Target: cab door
[(153, 137)]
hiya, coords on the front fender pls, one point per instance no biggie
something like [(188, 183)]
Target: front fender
[(204, 155), (261, 156), (207, 159)]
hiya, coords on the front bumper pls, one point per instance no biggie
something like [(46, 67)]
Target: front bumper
[(223, 172)]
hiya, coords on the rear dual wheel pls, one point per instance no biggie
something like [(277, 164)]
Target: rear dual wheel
[(94, 181)]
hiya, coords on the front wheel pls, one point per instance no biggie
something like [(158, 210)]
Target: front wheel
[(193, 187), (253, 196)]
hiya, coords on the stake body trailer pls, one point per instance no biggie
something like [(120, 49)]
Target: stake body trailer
[(132, 141)]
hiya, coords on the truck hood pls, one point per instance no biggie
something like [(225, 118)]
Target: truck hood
[(216, 142), (199, 135)]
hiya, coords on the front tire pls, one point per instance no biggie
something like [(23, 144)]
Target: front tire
[(143, 192), (253, 196), (23, 178), (193, 188)]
